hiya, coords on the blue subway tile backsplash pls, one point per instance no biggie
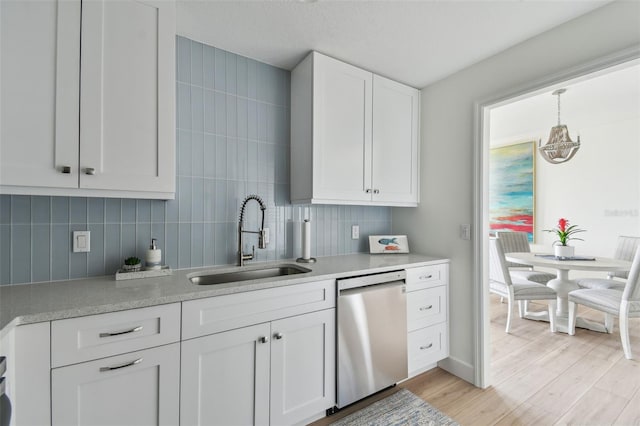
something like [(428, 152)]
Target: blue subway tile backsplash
[(232, 139)]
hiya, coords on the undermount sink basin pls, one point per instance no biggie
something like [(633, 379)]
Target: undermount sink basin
[(250, 274)]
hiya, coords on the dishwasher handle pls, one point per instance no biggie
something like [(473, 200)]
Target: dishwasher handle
[(350, 292), (368, 280)]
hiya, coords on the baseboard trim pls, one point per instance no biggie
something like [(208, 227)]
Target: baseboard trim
[(458, 368)]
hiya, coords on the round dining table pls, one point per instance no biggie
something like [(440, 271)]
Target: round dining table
[(563, 285)]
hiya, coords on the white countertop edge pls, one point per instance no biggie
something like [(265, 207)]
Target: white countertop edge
[(327, 268)]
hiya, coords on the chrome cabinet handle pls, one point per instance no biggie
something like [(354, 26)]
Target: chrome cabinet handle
[(376, 191), (368, 191), (426, 308), (126, 364), (66, 170), (263, 339), (426, 277), (118, 333), (422, 348), (90, 171), (278, 336)]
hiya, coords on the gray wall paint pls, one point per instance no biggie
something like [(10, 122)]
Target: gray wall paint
[(232, 140)]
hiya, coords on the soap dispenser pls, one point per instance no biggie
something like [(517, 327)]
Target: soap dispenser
[(153, 260)]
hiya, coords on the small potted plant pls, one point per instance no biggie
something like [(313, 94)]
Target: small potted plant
[(132, 264), (564, 231)]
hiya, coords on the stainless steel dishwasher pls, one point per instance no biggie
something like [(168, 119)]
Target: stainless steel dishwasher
[(372, 335)]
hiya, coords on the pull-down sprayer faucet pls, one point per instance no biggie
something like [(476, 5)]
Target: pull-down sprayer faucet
[(261, 234)]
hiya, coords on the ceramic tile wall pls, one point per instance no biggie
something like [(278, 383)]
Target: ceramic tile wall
[(232, 140)]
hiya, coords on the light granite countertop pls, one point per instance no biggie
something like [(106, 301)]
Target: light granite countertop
[(31, 303)]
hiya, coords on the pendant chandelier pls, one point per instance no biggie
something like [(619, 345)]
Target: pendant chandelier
[(560, 148)]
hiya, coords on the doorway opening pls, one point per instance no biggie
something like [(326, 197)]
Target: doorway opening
[(599, 187)]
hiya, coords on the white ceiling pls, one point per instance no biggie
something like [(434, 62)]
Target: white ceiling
[(609, 96), (416, 42)]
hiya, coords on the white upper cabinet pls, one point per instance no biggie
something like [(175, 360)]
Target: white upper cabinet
[(395, 142), (354, 136), (39, 92), (103, 122)]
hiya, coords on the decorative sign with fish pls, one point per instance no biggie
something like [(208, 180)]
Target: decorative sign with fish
[(388, 244)]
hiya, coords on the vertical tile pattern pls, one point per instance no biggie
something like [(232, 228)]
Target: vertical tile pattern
[(232, 139)]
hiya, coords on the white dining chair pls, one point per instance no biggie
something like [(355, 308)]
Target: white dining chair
[(514, 242), (625, 250), (614, 303), (502, 284)]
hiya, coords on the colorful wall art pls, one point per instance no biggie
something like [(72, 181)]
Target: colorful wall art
[(511, 188)]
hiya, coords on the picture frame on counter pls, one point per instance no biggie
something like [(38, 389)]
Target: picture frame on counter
[(389, 244)]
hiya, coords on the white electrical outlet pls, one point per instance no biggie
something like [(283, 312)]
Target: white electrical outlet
[(266, 236), (355, 232), (465, 231), (81, 241)]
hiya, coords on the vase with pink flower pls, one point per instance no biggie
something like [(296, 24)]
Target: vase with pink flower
[(564, 231)]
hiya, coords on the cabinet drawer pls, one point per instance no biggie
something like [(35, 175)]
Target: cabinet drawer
[(427, 346), (426, 307), (427, 276), (97, 336), (215, 314), (137, 388)]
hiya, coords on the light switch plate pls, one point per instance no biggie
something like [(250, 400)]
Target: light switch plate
[(81, 241), (465, 231)]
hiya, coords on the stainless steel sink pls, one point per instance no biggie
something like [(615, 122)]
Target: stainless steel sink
[(250, 274)]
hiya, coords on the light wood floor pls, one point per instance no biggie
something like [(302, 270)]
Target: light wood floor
[(539, 378)]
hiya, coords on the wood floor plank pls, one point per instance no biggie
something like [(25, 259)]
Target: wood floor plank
[(616, 380), (567, 388), (630, 415), (595, 407), (527, 415)]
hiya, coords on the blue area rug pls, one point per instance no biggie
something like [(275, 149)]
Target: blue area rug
[(402, 408)]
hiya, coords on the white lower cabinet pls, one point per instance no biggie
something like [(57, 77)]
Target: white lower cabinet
[(427, 316), (137, 388), (302, 366), (224, 378), (279, 372)]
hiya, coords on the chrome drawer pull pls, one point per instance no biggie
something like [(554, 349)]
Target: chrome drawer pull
[(426, 277), (118, 333), (89, 171), (422, 348), (263, 339), (426, 308), (278, 336), (127, 364)]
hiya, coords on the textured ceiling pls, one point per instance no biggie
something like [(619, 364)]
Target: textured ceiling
[(415, 42)]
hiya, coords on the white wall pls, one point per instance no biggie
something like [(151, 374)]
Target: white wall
[(447, 177), (599, 188)]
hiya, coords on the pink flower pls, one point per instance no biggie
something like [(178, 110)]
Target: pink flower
[(562, 224)]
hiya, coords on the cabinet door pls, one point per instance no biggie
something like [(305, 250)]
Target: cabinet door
[(395, 141), (302, 366), (138, 388), (225, 378), (341, 131), (127, 100), (39, 86)]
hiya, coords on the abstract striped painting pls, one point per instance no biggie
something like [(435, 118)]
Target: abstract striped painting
[(511, 185)]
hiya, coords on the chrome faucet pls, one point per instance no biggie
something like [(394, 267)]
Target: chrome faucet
[(261, 233)]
